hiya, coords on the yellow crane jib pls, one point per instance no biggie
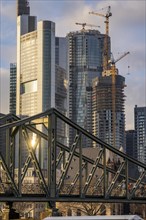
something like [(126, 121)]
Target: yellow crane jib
[(85, 24)]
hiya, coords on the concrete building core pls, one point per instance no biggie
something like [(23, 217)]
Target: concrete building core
[(102, 112)]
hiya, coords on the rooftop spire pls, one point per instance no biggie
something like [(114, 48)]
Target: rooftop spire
[(23, 7)]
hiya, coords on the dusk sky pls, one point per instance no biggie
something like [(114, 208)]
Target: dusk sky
[(127, 32)]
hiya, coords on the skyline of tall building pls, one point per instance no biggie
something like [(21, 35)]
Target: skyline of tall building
[(85, 59)]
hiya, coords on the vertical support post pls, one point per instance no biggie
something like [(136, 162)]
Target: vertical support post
[(19, 159), (8, 147), (105, 179), (14, 143), (80, 166), (40, 152), (52, 135), (127, 180), (64, 159), (86, 171)]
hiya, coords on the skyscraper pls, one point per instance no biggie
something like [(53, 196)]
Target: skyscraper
[(130, 143), (102, 110), (12, 102), (35, 65), (85, 54), (61, 52), (131, 151), (37, 90), (140, 129)]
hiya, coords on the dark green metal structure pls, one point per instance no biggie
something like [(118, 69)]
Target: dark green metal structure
[(112, 184)]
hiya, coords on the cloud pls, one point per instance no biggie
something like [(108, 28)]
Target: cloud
[(8, 54), (8, 10)]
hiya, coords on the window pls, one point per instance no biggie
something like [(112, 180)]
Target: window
[(29, 87)]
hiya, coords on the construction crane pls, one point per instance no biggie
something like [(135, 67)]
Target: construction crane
[(85, 24), (112, 61), (113, 71), (106, 49)]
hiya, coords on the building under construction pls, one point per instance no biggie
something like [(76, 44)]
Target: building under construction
[(104, 125)]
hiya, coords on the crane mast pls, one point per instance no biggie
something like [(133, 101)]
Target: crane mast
[(106, 48), (113, 72)]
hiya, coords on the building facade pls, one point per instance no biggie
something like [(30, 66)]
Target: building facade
[(36, 67), (102, 110), (61, 101), (61, 52), (140, 128), (130, 143), (131, 151), (41, 68), (85, 57), (12, 101)]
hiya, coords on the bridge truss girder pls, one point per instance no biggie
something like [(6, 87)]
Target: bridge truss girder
[(94, 179)]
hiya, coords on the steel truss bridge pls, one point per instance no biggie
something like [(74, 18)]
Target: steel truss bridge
[(95, 179)]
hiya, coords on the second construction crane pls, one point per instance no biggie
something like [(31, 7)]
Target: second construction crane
[(106, 48), (85, 24)]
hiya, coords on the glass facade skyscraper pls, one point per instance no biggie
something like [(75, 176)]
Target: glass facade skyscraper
[(85, 55), (36, 67), (61, 52), (12, 101), (140, 129), (41, 69)]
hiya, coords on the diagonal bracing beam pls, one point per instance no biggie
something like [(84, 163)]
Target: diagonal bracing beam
[(67, 164), (136, 185), (36, 163), (58, 159), (75, 179), (98, 183), (5, 168), (27, 163), (111, 186), (93, 169)]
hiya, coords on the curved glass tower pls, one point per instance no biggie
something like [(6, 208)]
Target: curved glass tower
[(85, 58)]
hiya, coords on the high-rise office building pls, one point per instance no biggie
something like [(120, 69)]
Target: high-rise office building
[(140, 129), (12, 101), (85, 58), (37, 53), (61, 52), (35, 65), (131, 151), (130, 143), (61, 101), (104, 128)]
